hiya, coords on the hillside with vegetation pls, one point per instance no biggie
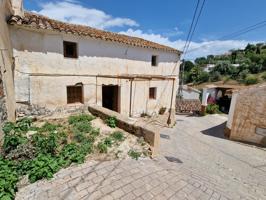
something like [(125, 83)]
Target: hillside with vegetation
[(243, 66)]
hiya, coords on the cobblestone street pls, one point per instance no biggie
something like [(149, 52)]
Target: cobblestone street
[(125, 179), (195, 163)]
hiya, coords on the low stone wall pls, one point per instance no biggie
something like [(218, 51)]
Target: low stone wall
[(24, 110), (188, 105), (140, 129)]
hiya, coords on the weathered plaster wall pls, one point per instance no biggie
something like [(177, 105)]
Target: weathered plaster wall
[(232, 110), (6, 62), (249, 114), (42, 73)]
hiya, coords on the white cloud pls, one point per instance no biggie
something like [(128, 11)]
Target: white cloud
[(71, 11), (196, 49)]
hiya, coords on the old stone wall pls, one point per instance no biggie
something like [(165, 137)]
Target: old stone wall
[(249, 117)]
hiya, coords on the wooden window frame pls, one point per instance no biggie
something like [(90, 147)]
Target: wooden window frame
[(155, 62), (152, 92), (71, 98), (74, 45)]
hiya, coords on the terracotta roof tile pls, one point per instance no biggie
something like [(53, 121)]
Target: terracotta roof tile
[(36, 21)]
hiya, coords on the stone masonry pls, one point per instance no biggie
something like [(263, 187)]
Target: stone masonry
[(125, 180), (250, 114)]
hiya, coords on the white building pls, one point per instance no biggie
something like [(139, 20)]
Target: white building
[(59, 66)]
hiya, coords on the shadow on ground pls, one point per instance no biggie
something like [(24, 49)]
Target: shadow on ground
[(216, 131)]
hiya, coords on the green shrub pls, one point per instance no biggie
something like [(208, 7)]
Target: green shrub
[(80, 118), (118, 136), (71, 153), (48, 127), (263, 76), (251, 79), (46, 144), (134, 154), (8, 179), (102, 147), (12, 140), (43, 166), (24, 124), (212, 109), (83, 127), (111, 121), (108, 142), (8, 127)]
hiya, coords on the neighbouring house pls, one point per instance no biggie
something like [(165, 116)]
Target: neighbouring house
[(247, 116), (189, 100), (59, 66), (208, 67), (190, 93), (218, 94)]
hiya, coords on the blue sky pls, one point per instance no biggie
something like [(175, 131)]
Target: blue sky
[(166, 21)]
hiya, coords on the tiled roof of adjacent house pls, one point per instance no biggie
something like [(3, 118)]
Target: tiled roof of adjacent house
[(36, 21)]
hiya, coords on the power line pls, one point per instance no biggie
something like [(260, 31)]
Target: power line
[(198, 17), (191, 25), (234, 34)]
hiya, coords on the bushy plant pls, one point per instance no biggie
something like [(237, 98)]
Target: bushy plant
[(251, 79), (43, 166), (118, 136), (80, 118), (102, 147), (212, 109), (264, 76), (108, 142), (134, 154), (46, 144), (12, 140), (111, 121), (48, 127), (8, 179), (83, 127), (71, 153)]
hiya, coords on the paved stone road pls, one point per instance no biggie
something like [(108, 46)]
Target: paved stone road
[(238, 169), (124, 179), (195, 164)]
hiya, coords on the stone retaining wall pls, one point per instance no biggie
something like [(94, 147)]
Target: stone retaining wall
[(140, 129), (188, 105)]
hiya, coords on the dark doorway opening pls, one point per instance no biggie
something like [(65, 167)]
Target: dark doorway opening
[(110, 97)]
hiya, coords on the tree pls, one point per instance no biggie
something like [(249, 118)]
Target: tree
[(215, 76), (201, 61), (188, 66)]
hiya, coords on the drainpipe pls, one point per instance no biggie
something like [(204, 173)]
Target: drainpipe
[(130, 100), (170, 111)]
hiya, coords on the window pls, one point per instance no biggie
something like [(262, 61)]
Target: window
[(154, 60), (74, 94), (152, 93), (70, 49)]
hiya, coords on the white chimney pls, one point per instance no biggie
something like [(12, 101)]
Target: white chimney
[(17, 6)]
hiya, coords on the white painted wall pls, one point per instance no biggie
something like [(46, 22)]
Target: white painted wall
[(232, 110), (42, 73)]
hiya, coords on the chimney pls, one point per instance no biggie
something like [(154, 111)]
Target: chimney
[(17, 6)]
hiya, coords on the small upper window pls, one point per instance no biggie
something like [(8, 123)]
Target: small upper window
[(70, 49), (154, 60), (152, 93)]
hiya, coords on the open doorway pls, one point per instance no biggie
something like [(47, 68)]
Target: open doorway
[(110, 97)]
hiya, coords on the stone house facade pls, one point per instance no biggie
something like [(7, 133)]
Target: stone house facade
[(247, 115), (60, 66)]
